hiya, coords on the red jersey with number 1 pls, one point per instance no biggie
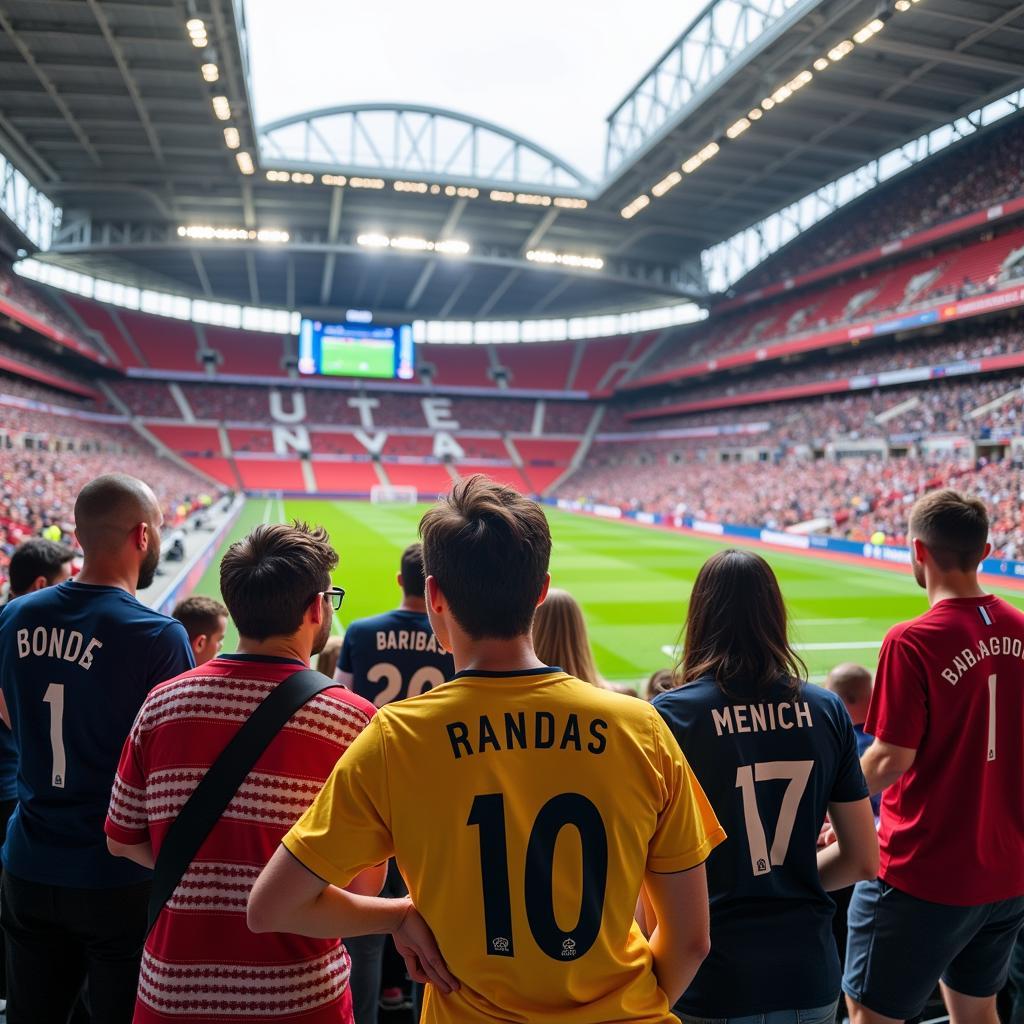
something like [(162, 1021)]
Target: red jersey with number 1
[(950, 685)]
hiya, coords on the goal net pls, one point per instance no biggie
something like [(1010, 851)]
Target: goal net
[(393, 494)]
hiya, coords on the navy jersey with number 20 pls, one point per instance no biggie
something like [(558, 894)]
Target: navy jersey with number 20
[(770, 766), (76, 663), (394, 656)]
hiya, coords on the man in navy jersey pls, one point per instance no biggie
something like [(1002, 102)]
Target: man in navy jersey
[(76, 662), (395, 655), (383, 659), (947, 714)]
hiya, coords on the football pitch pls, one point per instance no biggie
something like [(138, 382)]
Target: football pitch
[(633, 583)]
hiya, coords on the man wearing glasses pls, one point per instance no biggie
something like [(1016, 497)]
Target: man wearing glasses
[(201, 962)]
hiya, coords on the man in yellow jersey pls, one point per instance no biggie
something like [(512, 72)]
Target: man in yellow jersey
[(525, 808)]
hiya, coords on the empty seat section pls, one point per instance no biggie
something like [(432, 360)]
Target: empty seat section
[(330, 442), (247, 352), (271, 474), (409, 444), (458, 365), (538, 449), (483, 447), (96, 318), (186, 438), (598, 358), (542, 477), (344, 477), (430, 479), (246, 440), (219, 468), (165, 343), (537, 365)]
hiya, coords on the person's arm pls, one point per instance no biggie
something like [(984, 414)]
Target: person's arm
[(344, 670), (678, 916), (4, 713), (884, 763), (369, 882), (853, 856), (287, 897), (141, 853)]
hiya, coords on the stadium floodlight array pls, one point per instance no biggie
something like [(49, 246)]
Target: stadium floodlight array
[(565, 259), (778, 96), (410, 243)]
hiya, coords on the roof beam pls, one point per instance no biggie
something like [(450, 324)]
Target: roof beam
[(542, 228), (333, 225), (853, 100), (136, 97), (496, 295), (550, 296), (450, 223), (200, 267), (254, 284), (456, 294), (25, 153), (47, 83), (916, 51)]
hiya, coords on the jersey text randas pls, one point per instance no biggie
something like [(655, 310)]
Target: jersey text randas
[(539, 730)]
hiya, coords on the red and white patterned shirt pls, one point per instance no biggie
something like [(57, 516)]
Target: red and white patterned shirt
[(201, 964)]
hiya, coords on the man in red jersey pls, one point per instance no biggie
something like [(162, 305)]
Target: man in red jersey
[(201, 963), (947, 714)]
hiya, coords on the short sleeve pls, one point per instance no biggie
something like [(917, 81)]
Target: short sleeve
[(170, 655), (127, 821), (849, 784), (898, 713), (348, 826), (345, 657), (687, 829)]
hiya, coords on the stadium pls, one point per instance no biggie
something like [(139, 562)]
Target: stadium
[(787, 307)]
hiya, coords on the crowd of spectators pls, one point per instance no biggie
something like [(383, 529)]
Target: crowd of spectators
[(975, 175)]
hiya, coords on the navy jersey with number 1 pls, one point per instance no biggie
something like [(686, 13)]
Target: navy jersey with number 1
[(770, 766), (393, 656), (76, 663)]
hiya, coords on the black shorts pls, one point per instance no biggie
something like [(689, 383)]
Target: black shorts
[(899, 947)]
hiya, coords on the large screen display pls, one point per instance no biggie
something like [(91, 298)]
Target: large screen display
[(356, 350)]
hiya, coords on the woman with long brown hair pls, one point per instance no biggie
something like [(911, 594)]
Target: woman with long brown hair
[(560, 637), (774, 754)]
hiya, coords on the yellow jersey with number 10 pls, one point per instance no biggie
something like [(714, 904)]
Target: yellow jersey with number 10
[(523, 809)]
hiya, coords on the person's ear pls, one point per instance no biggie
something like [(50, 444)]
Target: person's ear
[(199, 644), (986, 552), (920, 551), (39, 583), (544, 589), (315, 611), (398, 580), (435, 598), (140, 536)]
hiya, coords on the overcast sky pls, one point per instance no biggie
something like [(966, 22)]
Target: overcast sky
[(551, 70)]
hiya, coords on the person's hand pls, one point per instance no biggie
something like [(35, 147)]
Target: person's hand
[(416, 944), (827, 836)]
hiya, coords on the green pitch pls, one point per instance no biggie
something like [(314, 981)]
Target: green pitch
[(633, 583)]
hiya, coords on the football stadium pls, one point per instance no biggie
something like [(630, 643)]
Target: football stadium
[(634, 447)]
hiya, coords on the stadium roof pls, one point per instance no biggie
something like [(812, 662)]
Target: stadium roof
[(134, 117)]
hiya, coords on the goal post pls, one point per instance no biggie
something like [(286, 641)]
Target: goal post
[(393, 494)]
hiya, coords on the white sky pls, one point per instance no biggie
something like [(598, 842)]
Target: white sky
[(551, 70)]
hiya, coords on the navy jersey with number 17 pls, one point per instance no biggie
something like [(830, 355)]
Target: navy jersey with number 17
[(393, 656), (76, 663), (770, 765)]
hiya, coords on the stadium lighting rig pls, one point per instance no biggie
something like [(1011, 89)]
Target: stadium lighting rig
[(209, 233), (565, 259), (774, 99), (196, 28), (411, 243)]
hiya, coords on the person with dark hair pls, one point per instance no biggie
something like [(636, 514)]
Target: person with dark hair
[(76, 663), (774, 754), (386, 658), (492, 767), (205, 620), (38, 563), (276, 583), (947, 714)]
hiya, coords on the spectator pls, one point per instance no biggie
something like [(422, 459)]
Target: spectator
[(746, 721), (76, 662), (277, 585), (206, 621), (948, 758), (386, 658), (560, 637), (327, 659), (493, 748), (38, 563), (852, 684), (659, 682)]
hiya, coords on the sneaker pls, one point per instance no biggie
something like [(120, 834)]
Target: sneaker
[(394, 999)]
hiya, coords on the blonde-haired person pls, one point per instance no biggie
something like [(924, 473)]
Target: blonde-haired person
[(560, 638)]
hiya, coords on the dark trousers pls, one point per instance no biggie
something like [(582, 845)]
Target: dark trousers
[(59, 938), (6, 810)]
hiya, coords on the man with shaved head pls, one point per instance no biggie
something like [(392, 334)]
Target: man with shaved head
[(76, 663)]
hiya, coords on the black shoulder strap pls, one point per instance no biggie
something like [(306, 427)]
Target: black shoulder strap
[(222, 780)]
